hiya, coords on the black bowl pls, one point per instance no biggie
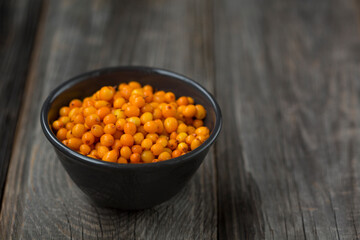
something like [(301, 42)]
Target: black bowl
[(129, 186)]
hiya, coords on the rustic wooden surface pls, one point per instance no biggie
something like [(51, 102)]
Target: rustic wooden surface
[(286, 74)]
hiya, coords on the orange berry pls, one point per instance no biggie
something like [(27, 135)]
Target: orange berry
[(69, 125), (202, 131), (64, 119), (157, 113), (181, 128), (150, 127), (137, 101), (146, 117), (189, 139), (163, 141), (125, 91), (127, 140), (183, 147), (132, 111), (119, 102), (117, 144), (111, 156), (168, 111), (173, 135), (182, 101), (148, 96), (106, 93), (119, 113), (89, 110), (135, 158), (107, 140), (198, 123), (147, 108), (189, 111), (130, 128), (134, 84), (190, 130), (61, 134), (97, 130), (170, 124), (172, 144), (157, 148), (148, 88), (146, 144), (101, 103), (57, 125), (103, 111), (88, 138), (136, 149), (138, 138), (147, 156), (74, 143), (125, 152), (64, 111), (110, 128), (164, 156), (153, 137), (190, 100), (169, 97), (181, 137), (122, 160), (195, 143), (87, 102), (200, 112), (79, 118), (101, 151), (75, 103), (120, 124), (176, 153), (110, 118), (92, 120), (85, 149), (160, 126), (78, 130)]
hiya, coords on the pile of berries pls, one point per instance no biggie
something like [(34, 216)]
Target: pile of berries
[(132, 124)]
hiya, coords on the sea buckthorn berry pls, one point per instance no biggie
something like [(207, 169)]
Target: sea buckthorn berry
[(181, 137), (136, 149), (151, 127), (164, 156), (181, 128), (163, 141), (157, 113), (138, 138), (64, 119), (57, 125), (64, 111), (137, 101), (69, 135), (134, 120), (130, 128), (106, 93), (168, 111), (172, 144), (111, 156), (87, 102), (125, 91), (110, 118), (92, 120), (146, 144), (202, 131), (127, 140), (153, 137), (170, 124), (134, 84), (89, 110), (147, 156), (135, 158), (110, 129), (79, 118), (159, 97), (101, 103), (119, 102), (101, 151), (176, 153), (147, 108), (148, 88), (202, 138), (122, 160), (78, 130), (146, 117), (190, 100), (173, 135), (120, 124), (198, 123), (93, 153), (107, 140), (119, 113), (117, 95), (125, 152), (148, 96), (157, 148), (103, 111), (122, 85), (142, 130), (61, 134), (74, 143), (189, 139), (88, 138), (132, 111), (69, 125), (117, 144), (195, 143), (182, 101), (97, 130), (189, 111), (169, 97), (180, 108), (75, 103), (200, 112), (85, 149), (160, 126), (183, 147)]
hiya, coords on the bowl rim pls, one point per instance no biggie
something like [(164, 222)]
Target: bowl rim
[(99, 163)]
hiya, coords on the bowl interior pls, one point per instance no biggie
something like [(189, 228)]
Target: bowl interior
[(85, 85)]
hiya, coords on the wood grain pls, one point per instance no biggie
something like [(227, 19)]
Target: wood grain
[(292, 96), (40, 200), (18, 24)]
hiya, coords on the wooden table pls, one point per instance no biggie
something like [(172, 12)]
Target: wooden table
[(287, 77)]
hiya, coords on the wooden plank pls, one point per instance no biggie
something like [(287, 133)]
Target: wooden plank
[(40, 200), (18, 24), (292, 95)]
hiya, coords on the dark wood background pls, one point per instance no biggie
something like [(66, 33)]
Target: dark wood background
[(287, 77)]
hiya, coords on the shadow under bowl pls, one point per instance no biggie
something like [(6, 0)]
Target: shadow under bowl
[(129, 186)]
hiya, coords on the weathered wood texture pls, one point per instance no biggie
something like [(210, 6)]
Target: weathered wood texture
[(286, 74), (292, 171), (18, 24), (40, 200)]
